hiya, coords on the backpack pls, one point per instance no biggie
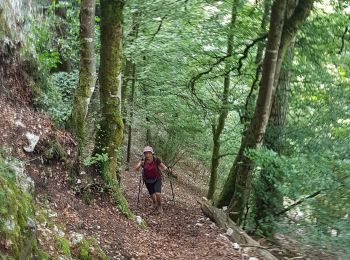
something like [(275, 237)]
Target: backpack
[(152, 180)]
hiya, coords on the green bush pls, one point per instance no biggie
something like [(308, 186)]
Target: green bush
[(57, 98)]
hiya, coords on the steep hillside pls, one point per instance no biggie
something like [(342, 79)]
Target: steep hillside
[(69, 212)]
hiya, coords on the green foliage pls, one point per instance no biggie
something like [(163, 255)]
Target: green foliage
[(52, 37), (57, 98), (62, 245), (55, 151), (96, 159), (316, 136), (120, 200), (89, 250), (84, 250)]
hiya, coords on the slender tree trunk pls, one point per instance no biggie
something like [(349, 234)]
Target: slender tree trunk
[(251, 98), (110, 134), (125, 81), (133, 37), (280, 36), (87, 71), (218, 128), (132, 95), (148, 130)]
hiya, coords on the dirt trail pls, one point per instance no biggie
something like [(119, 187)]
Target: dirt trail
[(181, 232)]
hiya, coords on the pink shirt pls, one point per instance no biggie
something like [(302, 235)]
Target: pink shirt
[(151, 170)]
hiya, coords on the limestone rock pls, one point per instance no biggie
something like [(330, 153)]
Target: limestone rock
[(76, 238), (24, 182), (33, 140)]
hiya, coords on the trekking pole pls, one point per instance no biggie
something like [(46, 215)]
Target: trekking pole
[(140, 188), (171, 185)]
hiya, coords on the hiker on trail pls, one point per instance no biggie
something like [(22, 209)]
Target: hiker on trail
[(152, 176)]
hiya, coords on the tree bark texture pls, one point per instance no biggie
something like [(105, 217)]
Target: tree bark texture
[(110, 134), (219, 127), (278, 40), (87, 71)]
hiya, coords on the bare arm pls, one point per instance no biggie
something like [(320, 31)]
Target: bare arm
[(137, 167), (162, 166)]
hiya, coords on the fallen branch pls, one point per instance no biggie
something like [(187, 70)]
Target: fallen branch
[(238, 235), (262, 247), (298, 202)]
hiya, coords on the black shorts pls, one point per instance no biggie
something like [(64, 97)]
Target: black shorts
[(154, 187)]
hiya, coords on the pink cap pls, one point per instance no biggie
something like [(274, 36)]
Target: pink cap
[(148, 149)]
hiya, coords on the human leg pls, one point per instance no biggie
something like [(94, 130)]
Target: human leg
[(151, 191), (158, 190), (159, 201)]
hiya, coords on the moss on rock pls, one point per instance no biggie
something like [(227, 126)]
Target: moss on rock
[(62, 245), (89, 249), (55, 151), (16, 209)]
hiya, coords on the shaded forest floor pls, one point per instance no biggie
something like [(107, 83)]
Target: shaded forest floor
[(180, 232)]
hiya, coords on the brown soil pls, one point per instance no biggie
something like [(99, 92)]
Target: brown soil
[(180, 232)]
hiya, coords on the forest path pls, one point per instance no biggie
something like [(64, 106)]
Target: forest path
[(181, 231)]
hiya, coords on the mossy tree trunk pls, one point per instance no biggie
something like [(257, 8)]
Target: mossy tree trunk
[(237, 186), (218, 127), (87, 72), (110, 133)]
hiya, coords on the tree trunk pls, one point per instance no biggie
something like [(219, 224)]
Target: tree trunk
[(269, 199), (133, 36), (125, 81), (87, 71), (129, 65), (251, 98), (238, 235), (217, 129), (249, 108), (240, 171), (280, 36), (110, 134), (132, 95)]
